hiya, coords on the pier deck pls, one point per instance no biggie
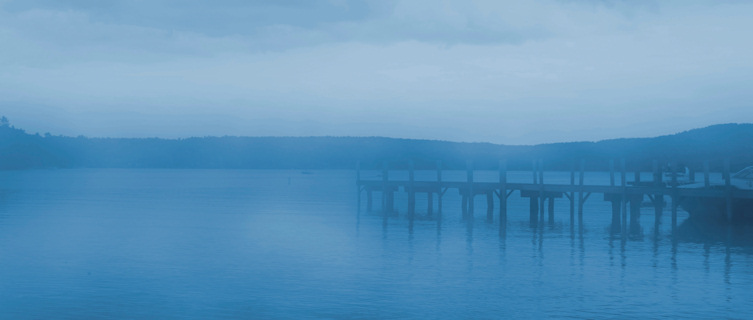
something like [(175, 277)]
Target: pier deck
[(627, 192)]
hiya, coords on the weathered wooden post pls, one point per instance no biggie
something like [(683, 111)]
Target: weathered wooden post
[(430, 203), (728, 189), (534, 211), (464, 204), (490, 206), (623, 199), (580, 191), (675, 199), (411, 191), (440, 194), (534, 200), (706, 179), (385, 196), (611, 172), (502, 193), (635, 204), (471, 194), (572, 196), (542, 198), (658, 195), (615, 213), (551, 209), (635, 213)]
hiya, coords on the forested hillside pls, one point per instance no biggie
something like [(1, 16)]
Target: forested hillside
[(20, 150)]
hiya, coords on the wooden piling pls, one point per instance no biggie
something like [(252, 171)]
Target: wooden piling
[(615, 215), (502, 193), (534, 204), (440, 193), (706, 180), (490, 206), (385, 177), (430, 203), (538, 193), (658, 197), (411, 191), (551, 210), (728, 189), (611, 172), (471, 195), (623, 199), (635, 213), (541, 189), (675, 199), (572, 196), (580, 192)]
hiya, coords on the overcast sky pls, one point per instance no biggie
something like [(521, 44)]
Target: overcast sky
[(513, 72)]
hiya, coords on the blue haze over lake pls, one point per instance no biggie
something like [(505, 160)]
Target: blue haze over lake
[(287, 244)]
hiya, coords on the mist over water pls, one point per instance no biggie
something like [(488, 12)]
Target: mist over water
[(203, 244), (147, 148)]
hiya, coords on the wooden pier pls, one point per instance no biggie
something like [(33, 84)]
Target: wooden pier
[(541, 195)]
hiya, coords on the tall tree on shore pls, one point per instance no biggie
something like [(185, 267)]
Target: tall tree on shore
[(4, 122)]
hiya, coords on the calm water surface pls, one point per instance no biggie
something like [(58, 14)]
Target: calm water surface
[(288, 244)]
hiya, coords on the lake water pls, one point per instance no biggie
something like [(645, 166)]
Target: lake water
[(261, 244)]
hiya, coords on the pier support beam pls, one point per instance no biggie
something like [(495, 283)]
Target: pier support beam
[(469, 174), (581, 198), (464, 205), (411, 192), (659, 197), (440, 192), (551, 210), (728, 189), (502, 194), (542, 198), (658, 208), (675, 198), (430, 203), (534, 211), (571, 196), (386, 192), (623, 199), (635, 214), (616, 205), (617, 200), (390, 201), (490, 206)]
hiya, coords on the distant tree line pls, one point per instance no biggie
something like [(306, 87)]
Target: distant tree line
[(20, 150)]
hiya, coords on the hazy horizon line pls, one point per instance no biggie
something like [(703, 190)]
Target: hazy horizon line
[(377, 137)]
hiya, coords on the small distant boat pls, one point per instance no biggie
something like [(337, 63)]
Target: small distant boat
[(306, 172), (715, 208)]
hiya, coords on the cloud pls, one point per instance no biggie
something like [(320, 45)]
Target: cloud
[(486, 70)]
